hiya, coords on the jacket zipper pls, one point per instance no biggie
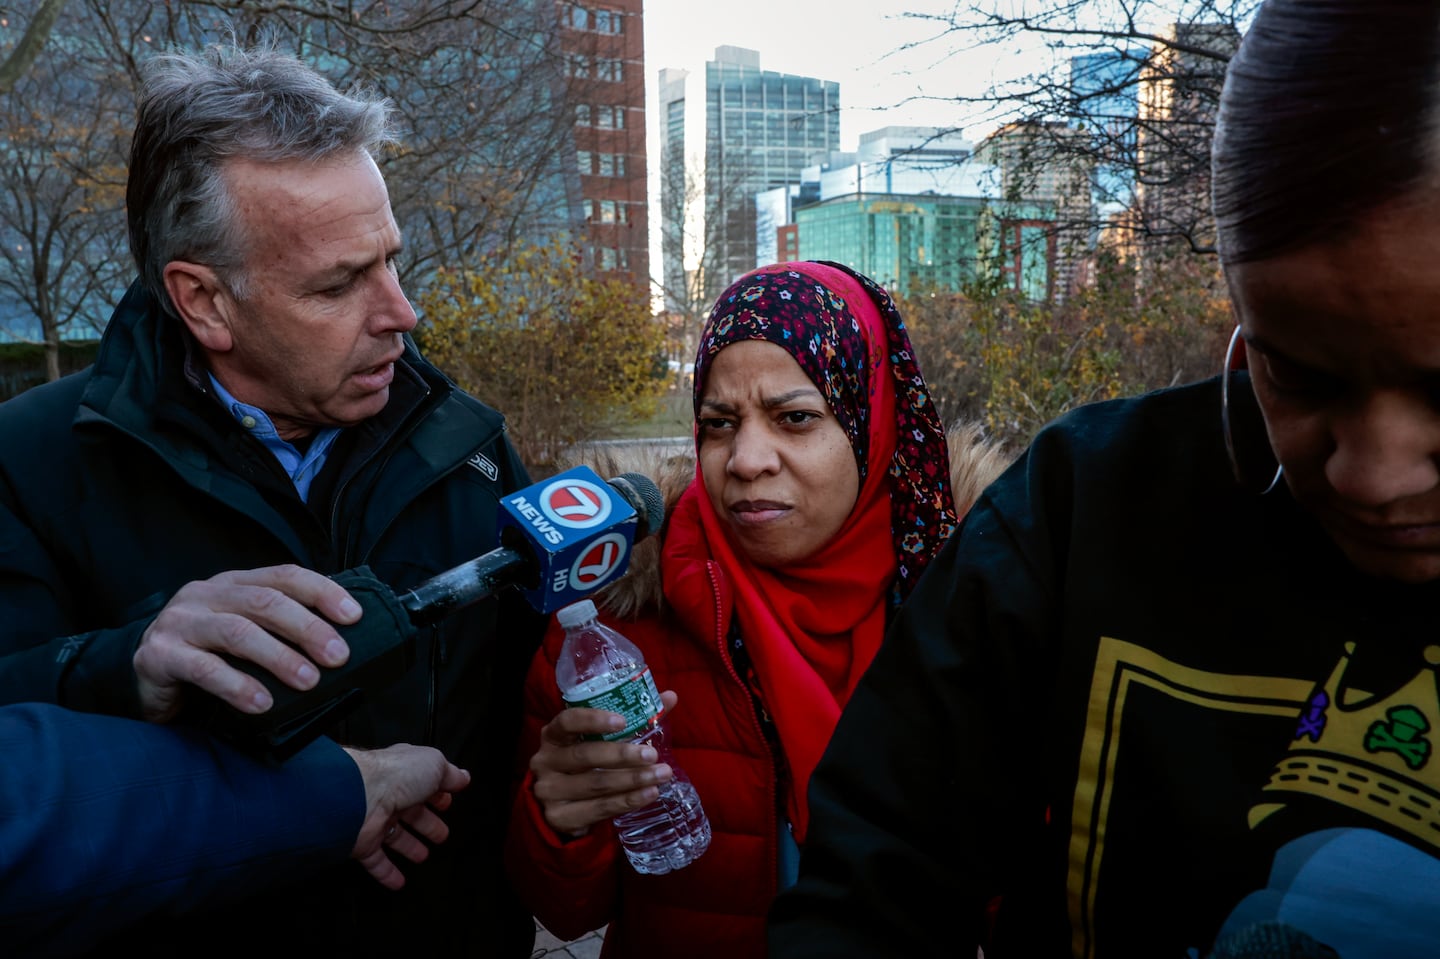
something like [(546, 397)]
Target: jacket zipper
[(438, 653)]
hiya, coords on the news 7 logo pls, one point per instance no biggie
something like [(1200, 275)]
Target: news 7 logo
[(597, 562), (576, 503), (579, 505)]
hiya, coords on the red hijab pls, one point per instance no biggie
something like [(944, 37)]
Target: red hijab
[(812, 628)]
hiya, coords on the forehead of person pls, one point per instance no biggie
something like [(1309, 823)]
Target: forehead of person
[(785, 401), (313, 329), (1328, 209)]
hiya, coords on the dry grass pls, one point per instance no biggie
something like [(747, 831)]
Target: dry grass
[(673, 416)]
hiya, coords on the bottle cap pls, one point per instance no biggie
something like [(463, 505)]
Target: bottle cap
[(576, 613)]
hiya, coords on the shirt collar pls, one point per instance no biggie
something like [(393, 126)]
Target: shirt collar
[(302, 468)]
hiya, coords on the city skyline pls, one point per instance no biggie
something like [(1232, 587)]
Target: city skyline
[(857, 51)]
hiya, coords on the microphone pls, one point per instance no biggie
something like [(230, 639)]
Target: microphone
[(561, 539)]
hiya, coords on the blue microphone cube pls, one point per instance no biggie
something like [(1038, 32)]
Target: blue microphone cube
[(579, 530)]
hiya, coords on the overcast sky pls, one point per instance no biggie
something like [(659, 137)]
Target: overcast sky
[(857, 45)]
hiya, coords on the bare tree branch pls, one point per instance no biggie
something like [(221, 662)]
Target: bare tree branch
[(31, 43), (1140, 79), (485, 92)]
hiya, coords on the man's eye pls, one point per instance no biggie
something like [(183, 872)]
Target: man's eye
[(1292, 379)]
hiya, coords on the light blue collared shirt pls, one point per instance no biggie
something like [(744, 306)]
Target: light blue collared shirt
[(302, 468)]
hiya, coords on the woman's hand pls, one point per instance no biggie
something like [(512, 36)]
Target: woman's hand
[(580, 782)]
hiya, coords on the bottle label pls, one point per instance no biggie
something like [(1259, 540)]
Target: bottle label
[(634, 697)]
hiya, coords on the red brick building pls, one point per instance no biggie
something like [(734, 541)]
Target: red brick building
[(603, 41)]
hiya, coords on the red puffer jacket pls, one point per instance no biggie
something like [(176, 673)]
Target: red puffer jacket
[(716, 906)]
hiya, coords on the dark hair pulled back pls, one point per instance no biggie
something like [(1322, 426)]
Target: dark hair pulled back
[(1327, 112)]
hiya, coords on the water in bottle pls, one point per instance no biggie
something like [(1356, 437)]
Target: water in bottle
[(601, 669)]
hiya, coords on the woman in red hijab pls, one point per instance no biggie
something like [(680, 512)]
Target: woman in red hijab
[(822, 490)]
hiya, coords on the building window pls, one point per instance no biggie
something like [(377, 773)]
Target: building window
[(609, 21), (585, 163), (610, 211), (578, 67), (577, 17), (610, 164), (604, 116), (610, 71), (608, 258)]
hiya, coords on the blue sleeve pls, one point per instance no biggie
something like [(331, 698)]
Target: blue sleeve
[(105, 821)]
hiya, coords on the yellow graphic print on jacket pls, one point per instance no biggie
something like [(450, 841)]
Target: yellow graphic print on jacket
[(1348, 819)]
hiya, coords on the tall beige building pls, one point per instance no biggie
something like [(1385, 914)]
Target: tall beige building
[(1179, 97)]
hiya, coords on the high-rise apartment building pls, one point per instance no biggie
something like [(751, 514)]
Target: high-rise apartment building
[(891, 160), (1104, 89), (912, 208), (762, 129), (1040, 162), (1180, 86), (603, 42)]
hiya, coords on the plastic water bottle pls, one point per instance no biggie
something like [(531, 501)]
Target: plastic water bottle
[(601, 669)]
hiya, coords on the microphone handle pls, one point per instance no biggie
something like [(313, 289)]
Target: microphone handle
[(467, 583), (377, 657)]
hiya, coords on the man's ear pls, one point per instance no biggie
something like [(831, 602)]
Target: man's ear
[(203, 302)]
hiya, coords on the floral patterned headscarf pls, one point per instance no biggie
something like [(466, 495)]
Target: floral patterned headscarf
[(811, 628), (849, 351)]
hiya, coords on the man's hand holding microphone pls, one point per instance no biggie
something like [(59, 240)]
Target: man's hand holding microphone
[(235, 634)]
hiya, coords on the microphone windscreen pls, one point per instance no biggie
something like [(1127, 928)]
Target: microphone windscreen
[(645, 497)]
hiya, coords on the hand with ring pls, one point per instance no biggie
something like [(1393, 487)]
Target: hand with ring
[(406, 788)]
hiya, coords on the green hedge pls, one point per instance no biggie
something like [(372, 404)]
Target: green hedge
[(22, 365)]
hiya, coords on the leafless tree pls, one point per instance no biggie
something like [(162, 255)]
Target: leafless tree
[(688, 247), (62, 240), (32, 41), (1129, 92), (694, 271), (483, 89)]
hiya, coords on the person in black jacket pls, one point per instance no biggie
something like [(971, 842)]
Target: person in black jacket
[(256, 401), (1158, 700)]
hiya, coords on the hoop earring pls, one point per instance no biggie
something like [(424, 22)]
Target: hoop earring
[(1234, 362)]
